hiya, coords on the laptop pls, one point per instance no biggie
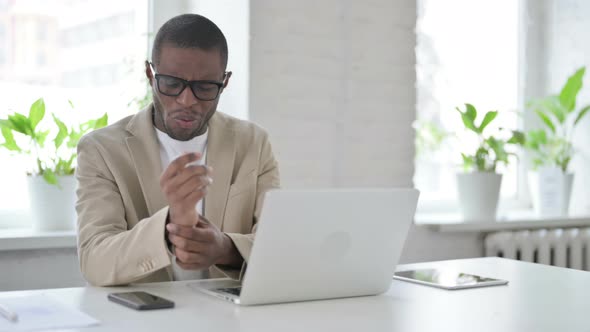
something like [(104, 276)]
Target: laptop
[(322, 244)]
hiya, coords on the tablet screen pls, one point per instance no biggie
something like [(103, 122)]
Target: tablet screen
[(447, 279)]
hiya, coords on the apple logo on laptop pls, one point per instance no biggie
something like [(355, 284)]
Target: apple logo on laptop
[(335, 246)]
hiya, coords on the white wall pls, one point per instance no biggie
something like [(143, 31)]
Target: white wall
[(333, 83), (35, 269)]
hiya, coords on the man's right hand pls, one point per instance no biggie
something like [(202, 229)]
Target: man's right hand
[(184, 186)]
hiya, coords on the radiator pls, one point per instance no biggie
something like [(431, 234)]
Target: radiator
[(568, 247)]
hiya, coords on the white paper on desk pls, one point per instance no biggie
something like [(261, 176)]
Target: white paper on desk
[(39, 312)]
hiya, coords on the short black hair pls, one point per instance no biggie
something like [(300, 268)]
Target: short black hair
[(190, 31)]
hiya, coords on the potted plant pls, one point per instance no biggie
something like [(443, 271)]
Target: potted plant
[(479, 183), (431, 153), (51, 174), (551, 148)]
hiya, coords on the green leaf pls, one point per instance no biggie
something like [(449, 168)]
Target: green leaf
[(552, 105), (62, 134), (9, 142), (49, 176), (41, 136), (535, 139), (471, 111), (518, 138), (546, 120), (564, 164), (74, 138), (86, 126), (468, 117), (489, 117), (481, 157), (36, 113), (7, 123), (549, 106), (21, 124), (570, 90), (498, 147), (64, 167), (581, 114), (58, 166), (467, 162), (71, 104), (101, 122), (68, 169)]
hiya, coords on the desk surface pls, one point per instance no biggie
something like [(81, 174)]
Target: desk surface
[(538, 298)]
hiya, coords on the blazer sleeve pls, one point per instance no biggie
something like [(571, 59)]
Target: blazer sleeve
[(109, 252), (268, 178)]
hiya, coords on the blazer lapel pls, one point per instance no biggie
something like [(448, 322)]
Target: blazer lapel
[(221, 148), (144, 149)]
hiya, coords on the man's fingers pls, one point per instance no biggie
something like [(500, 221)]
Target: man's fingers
[(193, 184), (188, 173), (192, 198), (179, 164), (198, 234), (180, 230), (202, 232), (185, 244), (188, 257)]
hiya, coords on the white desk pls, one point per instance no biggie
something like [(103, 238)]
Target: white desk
[(538, 298)]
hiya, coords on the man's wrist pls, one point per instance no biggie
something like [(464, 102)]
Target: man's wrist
[(231, 256)]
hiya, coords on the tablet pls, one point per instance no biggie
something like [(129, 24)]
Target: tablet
[(447, 279)]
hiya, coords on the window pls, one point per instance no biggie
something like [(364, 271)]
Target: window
[(467, 52), (90, 52)]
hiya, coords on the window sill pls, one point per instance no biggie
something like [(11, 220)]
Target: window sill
[(29, 239), (516, 220)]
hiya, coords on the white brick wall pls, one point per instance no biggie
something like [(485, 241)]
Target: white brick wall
[(333, 82)]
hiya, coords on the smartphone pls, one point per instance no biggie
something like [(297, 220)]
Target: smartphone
[(140, 300), (447, 279)]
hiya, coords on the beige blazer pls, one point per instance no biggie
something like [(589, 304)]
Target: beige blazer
[(122, 211)]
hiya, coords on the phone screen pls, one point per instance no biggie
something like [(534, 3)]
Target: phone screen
[(447, 279), (141, 300)]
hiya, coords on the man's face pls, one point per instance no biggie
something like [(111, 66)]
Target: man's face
[(184, 116)]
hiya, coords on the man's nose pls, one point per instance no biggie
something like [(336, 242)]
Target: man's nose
[(187, 97)]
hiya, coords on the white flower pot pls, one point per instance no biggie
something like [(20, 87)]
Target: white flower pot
[(53, 207), (550, 190), (478, 195)]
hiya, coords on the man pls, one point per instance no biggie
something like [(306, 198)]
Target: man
[(173, 192)]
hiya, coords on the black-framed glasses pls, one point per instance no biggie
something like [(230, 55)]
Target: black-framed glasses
[(205, 90)]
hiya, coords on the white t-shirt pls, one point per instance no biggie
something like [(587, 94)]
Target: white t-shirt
[(171, 149)]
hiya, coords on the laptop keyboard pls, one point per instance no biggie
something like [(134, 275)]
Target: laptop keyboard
[(231, 290)]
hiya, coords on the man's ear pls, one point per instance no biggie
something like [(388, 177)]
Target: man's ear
[(227, 77), (148, 72)]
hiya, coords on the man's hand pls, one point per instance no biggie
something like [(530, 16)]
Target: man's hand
[(184, 186), (200, 246)]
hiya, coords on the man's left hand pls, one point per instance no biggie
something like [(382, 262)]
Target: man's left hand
[(201, 246)]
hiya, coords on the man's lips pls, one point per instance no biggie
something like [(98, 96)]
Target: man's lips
[(185, 120), (185, 123)]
